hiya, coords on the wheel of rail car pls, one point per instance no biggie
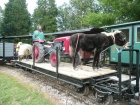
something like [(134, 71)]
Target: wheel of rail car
[(38, 52), (84, 90), (107, 101), (53, 59)]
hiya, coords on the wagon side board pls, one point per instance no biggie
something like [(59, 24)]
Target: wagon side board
[(7, 51)]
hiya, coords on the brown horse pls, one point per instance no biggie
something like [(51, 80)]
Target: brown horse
[(98, 41)]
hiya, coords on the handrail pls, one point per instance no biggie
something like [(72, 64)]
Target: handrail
[(137, 69)]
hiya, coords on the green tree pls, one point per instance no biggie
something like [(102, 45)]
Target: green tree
[(124, 10), (16, 19), (81, 9), (1, 18), (81, 14), (93, 19), (67, 19), (45, 15), (88, 13), (91, 14)]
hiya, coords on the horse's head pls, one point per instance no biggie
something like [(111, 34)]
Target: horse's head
[(120, 38)]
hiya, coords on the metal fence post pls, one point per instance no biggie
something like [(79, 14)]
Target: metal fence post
[(3, 51), (137, 70), (119, 75), (33, 54), (57, 62), (131, 64)]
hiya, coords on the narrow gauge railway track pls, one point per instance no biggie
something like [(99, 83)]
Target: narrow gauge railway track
[(63, 87)]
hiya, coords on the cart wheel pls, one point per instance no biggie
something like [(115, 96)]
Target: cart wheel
[(84, 90), (53, 59), (108, 99), (39, 52)]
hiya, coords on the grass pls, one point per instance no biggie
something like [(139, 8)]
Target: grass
[(14, 93)]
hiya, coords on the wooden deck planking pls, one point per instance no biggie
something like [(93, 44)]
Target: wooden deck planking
[(83, 72)]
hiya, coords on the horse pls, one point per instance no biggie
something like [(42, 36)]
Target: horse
[(98, 41)]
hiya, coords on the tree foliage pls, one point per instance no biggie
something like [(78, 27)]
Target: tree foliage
[(125, 10), (1, 18), (82, 14), (45, 15), (93, 19), (78, 14), (67, 19), (80, 7), (16, 19), (88, 13)]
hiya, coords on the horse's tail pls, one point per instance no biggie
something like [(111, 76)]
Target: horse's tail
[(74, 47), (70, 50)]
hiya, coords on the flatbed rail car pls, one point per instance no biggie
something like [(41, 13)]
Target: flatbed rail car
[(66, 73), (106, 84)]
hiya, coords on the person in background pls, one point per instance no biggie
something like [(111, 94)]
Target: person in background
[(38, 35)]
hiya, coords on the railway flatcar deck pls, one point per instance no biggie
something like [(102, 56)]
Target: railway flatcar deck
[(83, 72), (65, 72)]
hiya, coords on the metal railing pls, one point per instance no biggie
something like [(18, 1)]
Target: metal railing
[(131, 64)]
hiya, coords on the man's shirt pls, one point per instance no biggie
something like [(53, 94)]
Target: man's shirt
[(38, 36)]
